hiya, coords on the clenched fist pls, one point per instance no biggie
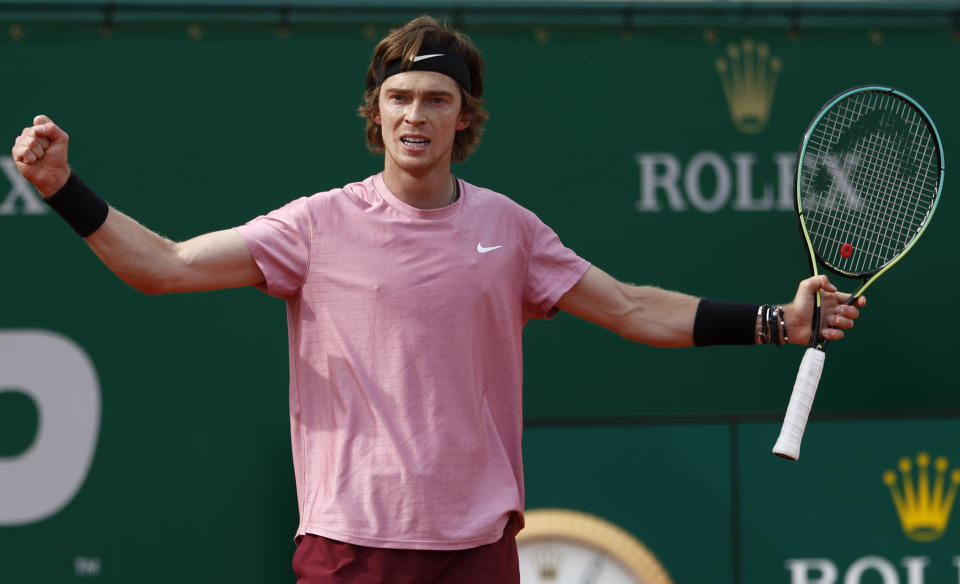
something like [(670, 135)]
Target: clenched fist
[(41, 155)]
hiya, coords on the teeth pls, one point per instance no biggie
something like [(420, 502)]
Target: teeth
[(418, 141)]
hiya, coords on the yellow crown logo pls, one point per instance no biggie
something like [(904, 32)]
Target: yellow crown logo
[(749, 77), (924, 509)]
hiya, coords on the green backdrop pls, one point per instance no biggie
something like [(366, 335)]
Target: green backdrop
[(609, 122)]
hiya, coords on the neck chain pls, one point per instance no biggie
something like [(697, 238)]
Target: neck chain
[(456, 190)]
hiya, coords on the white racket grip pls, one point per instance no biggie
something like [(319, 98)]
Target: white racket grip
[(801, 400)]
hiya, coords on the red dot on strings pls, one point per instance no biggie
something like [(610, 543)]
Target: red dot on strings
[(847, 250)]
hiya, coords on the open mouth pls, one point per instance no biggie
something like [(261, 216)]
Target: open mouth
[(415, 141)]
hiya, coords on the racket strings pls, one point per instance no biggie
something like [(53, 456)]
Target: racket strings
[(876, 154), (898, 215), (903, 214), (869, 179)]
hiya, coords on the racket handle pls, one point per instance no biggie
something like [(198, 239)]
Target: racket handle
[(801, 400)]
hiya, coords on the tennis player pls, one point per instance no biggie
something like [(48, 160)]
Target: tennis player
[(406, 294)]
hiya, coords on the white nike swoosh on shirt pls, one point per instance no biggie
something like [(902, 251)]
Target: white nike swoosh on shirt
[(422, 57), (481, 249)]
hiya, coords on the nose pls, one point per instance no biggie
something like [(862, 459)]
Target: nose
[(415, 112)]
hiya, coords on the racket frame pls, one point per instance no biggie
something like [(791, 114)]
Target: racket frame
[(813, 257)]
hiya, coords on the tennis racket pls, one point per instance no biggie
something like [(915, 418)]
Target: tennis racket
[(869, 175)]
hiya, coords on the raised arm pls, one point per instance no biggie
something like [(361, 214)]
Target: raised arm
[(664, 318), (140, 257)]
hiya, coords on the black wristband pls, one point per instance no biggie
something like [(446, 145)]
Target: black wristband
[(79, 206), (725, 323)]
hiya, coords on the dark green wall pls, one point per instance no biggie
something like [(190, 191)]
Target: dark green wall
[(191, 127)]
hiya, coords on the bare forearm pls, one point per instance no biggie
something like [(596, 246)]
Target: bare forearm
[(138, 256), (657, 317), (154, 264), (644, 314)]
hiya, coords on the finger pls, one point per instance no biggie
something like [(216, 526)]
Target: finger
[(814, 283), (31, 133), (843, 298), (839, 322), (850, 311), (832, 334), (841, 317), (30, 144), (51, 131), (19, 147), (41, 119), (24, 155), (36, 145), (824, 283), (36, 149)]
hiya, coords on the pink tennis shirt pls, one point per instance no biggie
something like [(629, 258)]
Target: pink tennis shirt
[(406, 358)]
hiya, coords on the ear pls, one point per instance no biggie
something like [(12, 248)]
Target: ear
[(376, 118), (463, 121)]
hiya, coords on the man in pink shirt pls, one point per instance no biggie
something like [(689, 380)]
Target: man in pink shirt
[(407, 294)]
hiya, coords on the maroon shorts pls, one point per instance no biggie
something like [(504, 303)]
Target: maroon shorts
[(319, 560)]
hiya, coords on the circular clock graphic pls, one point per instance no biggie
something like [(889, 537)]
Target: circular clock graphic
[(560, 546)]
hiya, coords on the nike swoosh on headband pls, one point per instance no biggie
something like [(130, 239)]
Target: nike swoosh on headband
[(422, 57), (452, 66)]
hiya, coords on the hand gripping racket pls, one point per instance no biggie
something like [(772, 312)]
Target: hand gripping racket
[(868, 177)]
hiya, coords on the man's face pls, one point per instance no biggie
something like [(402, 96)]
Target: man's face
[(420, 114)]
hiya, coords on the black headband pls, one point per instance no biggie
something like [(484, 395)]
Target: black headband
[(431, 58)]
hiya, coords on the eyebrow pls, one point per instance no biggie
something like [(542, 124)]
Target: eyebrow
[(429, 92)]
